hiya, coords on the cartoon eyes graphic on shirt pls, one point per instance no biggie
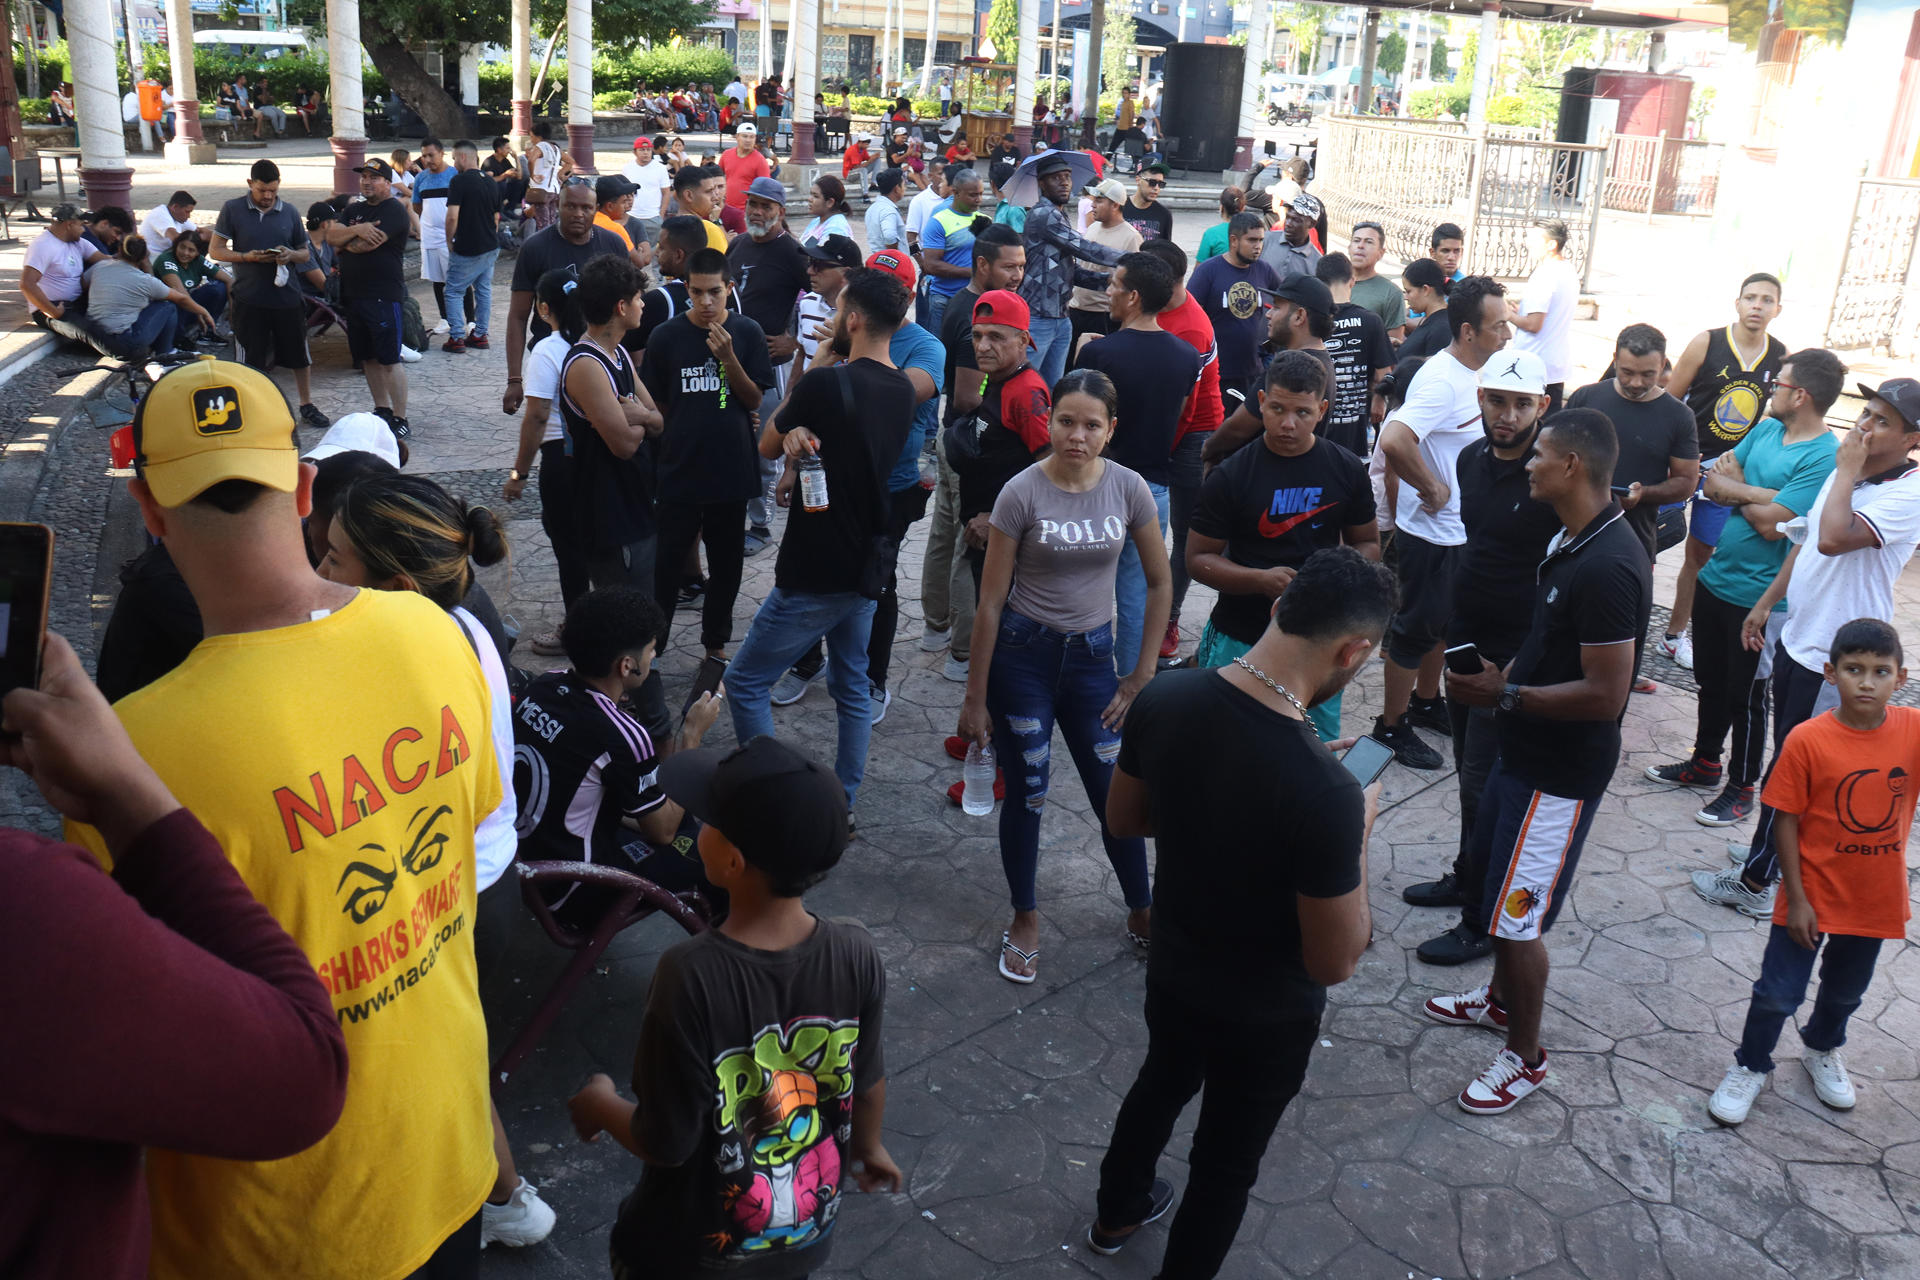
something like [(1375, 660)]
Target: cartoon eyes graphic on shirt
[(370, 896), (429, 843), (373, 886)]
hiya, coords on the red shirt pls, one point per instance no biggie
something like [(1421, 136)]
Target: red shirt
[(741, 170), (957, 152), (855, 156), (1189, 322)]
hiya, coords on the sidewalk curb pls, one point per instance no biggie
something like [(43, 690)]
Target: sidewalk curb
[(23, 461)]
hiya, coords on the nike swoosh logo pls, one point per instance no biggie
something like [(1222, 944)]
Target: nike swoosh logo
[(1271, 528)]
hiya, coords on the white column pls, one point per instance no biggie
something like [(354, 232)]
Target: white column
[(933, 43), (96, 102), (766, 47), (1026, 70), (189, 145), (1486, 60), (470, 75), (580, 83), (1252, 99), (344, 100), (803, 55), (522, 127)]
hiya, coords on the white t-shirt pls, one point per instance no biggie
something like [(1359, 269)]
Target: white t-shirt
[(812, 311), (494, 840), (154, 228), (1826, 592), (1553, 288), (544, 364), (1443, 411), (654, 180), (60, 265), (920, 208)]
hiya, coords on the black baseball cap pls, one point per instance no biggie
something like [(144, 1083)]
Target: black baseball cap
[(1307, 291), (786, 814), (378, 168), (836, 249), (1902, 393), (610, 187)]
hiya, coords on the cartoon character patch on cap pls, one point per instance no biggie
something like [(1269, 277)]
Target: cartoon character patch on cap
[(216, 410)]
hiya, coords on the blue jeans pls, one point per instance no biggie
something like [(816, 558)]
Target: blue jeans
[(1785, 970), (1130, 593), (1052, 344), (475, 271), (1040, 676), (790, 623), (936, 309), (154, 329), (213, 296)]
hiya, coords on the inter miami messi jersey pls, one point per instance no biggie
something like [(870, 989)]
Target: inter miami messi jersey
[(1729, 396), (580, 764)]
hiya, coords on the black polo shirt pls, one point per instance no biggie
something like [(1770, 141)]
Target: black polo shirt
[(1507, 537), (1595, 588)]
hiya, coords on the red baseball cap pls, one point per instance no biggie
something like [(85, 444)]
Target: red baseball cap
[(895, 264), (1003, 306)]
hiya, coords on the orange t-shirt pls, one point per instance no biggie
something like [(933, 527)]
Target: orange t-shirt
[(1853, 791)]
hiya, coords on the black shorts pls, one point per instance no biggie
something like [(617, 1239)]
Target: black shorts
[(373, 329), (1425, 570), (270, 336)]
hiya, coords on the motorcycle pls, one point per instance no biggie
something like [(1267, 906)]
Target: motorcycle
[(1278, 114)]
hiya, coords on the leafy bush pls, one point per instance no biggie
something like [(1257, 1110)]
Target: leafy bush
[(35, 110), (210, 67), (614, 101), (1536, 108), (701, 64), (1427, 104), (862, 104)]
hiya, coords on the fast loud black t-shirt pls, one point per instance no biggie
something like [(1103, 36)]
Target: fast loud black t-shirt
[(1154, 372), (477, 197), (1246, 798), (707, 452), (1650, 432), (1494, 583), (746, 1073), (1273, 511), (770, 275), (1595, 588), (377, 273), (1358, 346), (861, 413), (547, 251)]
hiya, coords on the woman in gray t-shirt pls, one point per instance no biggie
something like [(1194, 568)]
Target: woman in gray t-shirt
[(138, 314), (1043, 643)]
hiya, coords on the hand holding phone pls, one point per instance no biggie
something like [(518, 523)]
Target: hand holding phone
[(705, 681), (1367, 759), (1463, 659)]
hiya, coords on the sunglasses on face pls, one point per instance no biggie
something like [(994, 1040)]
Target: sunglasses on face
[(1155, 183)]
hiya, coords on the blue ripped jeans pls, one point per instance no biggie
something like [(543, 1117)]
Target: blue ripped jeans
[(1041, 677)]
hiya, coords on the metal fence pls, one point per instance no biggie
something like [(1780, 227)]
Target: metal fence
[(1658, 174), (1410, 179), (1872, 304)]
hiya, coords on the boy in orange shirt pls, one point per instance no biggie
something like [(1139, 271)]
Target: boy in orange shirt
[(1843, 789)]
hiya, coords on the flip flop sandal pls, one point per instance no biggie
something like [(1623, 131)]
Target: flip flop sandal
[(1029, 957)]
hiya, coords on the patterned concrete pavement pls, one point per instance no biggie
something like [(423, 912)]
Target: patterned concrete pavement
[(1002, 1097)]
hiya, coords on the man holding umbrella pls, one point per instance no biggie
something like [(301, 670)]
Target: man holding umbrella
[(1052, 246)]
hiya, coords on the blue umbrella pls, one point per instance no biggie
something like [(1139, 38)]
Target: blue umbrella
[(1023, 188)]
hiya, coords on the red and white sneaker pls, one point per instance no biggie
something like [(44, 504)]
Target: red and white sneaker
[(1501, 1086), (1476, 1008)]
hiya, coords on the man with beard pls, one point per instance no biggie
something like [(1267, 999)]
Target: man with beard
[(1052, 247), (1291, 253), (1659, 457)]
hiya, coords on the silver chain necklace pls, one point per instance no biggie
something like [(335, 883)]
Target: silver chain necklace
[(1272, 684)]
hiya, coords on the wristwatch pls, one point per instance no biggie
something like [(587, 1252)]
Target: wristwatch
[(515, 474), (1510, 699)]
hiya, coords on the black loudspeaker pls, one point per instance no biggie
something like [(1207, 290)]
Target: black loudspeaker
[(1200, 110)]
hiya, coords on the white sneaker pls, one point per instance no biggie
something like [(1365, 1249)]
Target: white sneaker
[(792, 687), (1734, 1098), (408, 355), (1737, 851), (1503, 1084), (932, 641), (955, 669), (1683, 652), (524, 1219), (1831, 1083), (440, 327), (882, 699), (1726, 889)]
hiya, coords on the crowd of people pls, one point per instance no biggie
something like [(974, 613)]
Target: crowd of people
[(1090, 421)]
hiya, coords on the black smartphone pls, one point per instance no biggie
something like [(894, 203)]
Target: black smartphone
[(26, 575), (1367, 759), (705, 680), (1622, 489), (1463, 659)]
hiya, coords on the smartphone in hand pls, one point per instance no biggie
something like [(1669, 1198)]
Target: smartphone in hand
[(1367, 759), (26, 576), (705, 681), (1463, 659)]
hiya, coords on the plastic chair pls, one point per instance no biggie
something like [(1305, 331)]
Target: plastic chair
[(634, 898)]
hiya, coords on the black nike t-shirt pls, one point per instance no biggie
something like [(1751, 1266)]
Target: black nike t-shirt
[(707, 453), (1358, 346), (771, 275), (1273, 511), (861, 413)]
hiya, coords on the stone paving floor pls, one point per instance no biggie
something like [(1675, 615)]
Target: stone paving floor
[(1002, 1097)]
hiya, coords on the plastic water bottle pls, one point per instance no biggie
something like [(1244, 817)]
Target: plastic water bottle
[(813, 483), (930, 463), (977, 798)]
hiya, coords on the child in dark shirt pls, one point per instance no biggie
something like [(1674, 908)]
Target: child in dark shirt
[(759, 1069)]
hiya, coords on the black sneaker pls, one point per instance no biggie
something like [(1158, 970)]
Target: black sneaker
[(1732, 804), (1457, 945), (311, 416), (691, 593), (1691, 772), (1408, 749), (1109, 1243), (1444, 892), (1430, 713), (400, 428)]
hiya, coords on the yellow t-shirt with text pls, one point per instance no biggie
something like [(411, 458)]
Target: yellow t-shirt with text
[(343, 764)]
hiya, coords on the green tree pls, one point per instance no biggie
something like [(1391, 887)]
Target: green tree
[(1003, 29), (1304, 21), (1117, 39), (1437, 60), (1392, 57), (1542, 51)]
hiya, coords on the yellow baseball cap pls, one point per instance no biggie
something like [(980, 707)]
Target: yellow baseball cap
[(209, 421)]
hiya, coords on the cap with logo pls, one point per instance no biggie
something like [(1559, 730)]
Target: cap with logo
[(786, 814), (768, 189), (358, 433), (378, 168), (837, 250), (1903, 394), (1003, 306), (1512, 370), (1109, 188), (892, 262), (1306, 291), (1307, 206), (209, 421)]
